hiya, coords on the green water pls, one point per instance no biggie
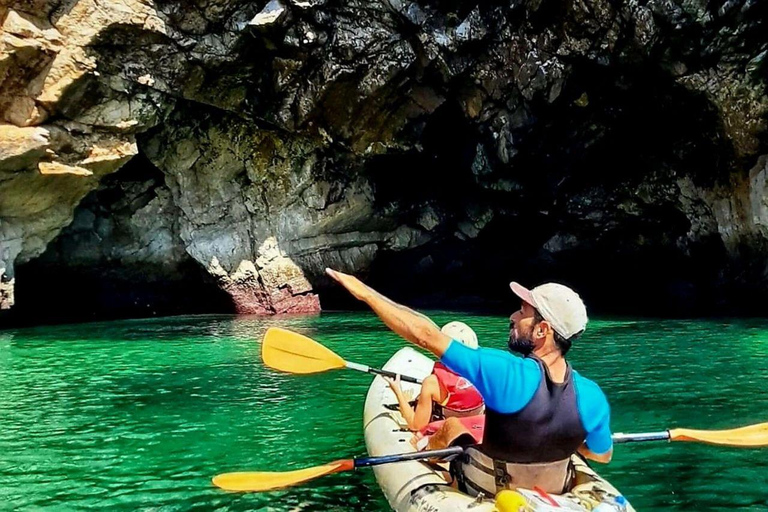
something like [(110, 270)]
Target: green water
[(140, 414)]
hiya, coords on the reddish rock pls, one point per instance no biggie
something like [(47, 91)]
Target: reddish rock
[(248, 301), (295, 304), (278, 286)]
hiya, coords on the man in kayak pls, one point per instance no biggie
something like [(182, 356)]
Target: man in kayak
[(444, 394), (538, 410)]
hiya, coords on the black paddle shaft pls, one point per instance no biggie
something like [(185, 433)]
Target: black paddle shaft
[(392, 375), (444, 454)]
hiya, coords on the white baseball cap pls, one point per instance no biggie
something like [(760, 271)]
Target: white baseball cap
[(461, 332), (558, 304)]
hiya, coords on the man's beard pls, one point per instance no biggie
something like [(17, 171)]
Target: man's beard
[(519, 344)]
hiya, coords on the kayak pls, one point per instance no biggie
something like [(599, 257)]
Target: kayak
[(416, 486)]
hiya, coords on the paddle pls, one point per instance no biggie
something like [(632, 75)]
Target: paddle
[(295, 353), (258, 481), (749, 436)]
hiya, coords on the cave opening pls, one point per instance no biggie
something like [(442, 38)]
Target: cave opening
[(119, 258), (593, 202)]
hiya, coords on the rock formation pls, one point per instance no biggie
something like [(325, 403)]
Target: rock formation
[(221, 153)]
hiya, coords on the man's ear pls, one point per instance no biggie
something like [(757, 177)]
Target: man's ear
[(542, 329)]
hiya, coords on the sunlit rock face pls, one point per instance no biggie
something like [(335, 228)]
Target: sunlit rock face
[(171, 156)]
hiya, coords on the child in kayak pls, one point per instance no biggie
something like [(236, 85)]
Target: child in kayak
[(444, 394)]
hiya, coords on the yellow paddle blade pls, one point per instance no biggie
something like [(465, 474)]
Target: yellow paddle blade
[(294, 353), (752, 435), (258, 481)]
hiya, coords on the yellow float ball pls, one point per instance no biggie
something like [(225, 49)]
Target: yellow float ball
[(511, 501)]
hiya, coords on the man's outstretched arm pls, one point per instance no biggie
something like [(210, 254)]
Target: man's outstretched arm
[(409, 324)]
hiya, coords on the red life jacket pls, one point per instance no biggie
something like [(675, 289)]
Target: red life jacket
[(463, 398)]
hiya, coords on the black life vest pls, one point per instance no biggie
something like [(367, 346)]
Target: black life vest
[(530, 447)]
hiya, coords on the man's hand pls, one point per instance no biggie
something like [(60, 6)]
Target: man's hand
[(409, 324), (353, 285)]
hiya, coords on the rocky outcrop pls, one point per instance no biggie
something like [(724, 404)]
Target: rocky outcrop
[(252, 202), (49, 161), (40, 189), (606, 140), (6, 290)]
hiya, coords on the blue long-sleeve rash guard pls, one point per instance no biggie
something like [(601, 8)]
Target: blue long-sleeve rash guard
[(508, 383)]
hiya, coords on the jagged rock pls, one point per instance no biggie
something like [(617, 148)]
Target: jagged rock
[(561, 242), (292, 135), (58, 168), (742, 108), (22, 148), (6, 291), (239, 190), (38, 197), (28, 48), (429, 219), (271, 13), (737, 213)]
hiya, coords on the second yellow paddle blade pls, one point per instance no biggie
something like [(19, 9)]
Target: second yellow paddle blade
[(753, 435), (258, 481), (295, 353)]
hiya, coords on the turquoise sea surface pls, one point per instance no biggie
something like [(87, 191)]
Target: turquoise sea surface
[(140, 414)]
